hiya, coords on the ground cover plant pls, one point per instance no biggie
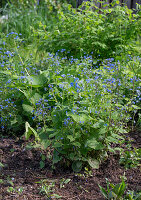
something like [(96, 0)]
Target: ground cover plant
[(78, 101)]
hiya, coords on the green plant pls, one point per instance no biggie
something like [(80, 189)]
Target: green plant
[(10, 189), (104, 33), (29, 14), (15, 190), (47, 188), (8, 180), (70, 106), (130, 158), (1, 181), (131, 195), (75, 106), (88, 172), (42, 162), (118, 192), (64, 181), (1, 165)]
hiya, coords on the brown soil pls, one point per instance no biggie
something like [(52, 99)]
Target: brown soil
[(23, 169)]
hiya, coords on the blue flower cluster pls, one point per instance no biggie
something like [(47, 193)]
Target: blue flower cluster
[(105, 91)]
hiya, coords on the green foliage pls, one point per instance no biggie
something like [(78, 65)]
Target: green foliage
[(130, 158), (118, 192), (64, 181), (47, 188), (139, 121), (73, 108), (42, 162), (15, 190), (104, 33), (1, 165), (29, 14), (11, 188)]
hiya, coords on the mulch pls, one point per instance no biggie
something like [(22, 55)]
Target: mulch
[(23, 169)]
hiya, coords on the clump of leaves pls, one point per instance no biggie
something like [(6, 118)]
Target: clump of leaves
[(102, 32), (47, 188), (118, 191), (130, 158)]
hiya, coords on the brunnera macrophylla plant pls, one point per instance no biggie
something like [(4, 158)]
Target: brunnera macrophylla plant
[(67, 104), (11, 99)]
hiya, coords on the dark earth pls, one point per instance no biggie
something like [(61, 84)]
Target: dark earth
[(22, 170)]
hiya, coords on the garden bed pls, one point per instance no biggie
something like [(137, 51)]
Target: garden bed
[(22, 172), (72, 82)]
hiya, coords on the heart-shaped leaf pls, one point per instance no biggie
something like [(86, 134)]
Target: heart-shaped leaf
[(93, 163), (77, 166)]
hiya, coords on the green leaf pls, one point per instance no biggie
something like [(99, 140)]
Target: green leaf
[(35, 98), (36, 81), (57, 144), (58, 116), (27, 108), (53, 134), (111, 139), (1, 165), (77, 144), (71, 138), (1, 181), (92, 143), (14, 121), (42, 164), (46, 143), (56, 157), (83, 118), (137, 196), (103, 191), (72, 156), (44, 134), (43, 157), (30, 131), (56, 196), (119, 189), (98, 124), (93, 163), (77, 166)]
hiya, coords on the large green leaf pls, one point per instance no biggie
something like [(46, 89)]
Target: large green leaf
[(35, 98), (27, 108), (93, 163), (45, 132), (56, 157), (98, 124), (46, 143), (58, 116), (71, 138), (94, 144), (82, 118), (36, 81), (77, 166), (30, 131), (53, 134)]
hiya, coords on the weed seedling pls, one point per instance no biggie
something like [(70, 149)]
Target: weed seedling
[(47, 188)]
